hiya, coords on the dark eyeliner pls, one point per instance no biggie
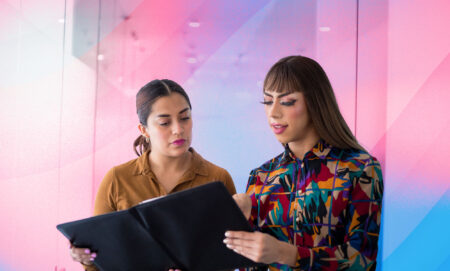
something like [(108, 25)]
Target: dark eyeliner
[(292, 102)]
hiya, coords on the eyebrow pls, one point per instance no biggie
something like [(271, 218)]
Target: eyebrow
[(167, 115), (279, 96)]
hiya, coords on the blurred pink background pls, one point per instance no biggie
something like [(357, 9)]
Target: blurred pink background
[(70, 71)]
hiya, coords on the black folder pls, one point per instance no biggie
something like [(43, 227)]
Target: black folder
[(183, 230)]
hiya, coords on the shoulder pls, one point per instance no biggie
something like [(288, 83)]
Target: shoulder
[(128, 167), (270, 165), (124, 171), (134, 167), (354, 160), (204, 166), (353, 156)]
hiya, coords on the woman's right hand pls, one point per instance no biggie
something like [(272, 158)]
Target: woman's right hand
[(82, 255)]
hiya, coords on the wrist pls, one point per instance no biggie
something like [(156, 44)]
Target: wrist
[(288, 254)]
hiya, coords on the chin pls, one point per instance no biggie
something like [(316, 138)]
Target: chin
[(179, 151), (282, 139)]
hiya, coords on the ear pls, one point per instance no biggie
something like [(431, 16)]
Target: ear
[(143, 130)]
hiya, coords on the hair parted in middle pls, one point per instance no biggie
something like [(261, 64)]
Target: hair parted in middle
[(145, 98)]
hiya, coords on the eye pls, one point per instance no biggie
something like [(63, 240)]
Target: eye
[(288, 103), (164, 123), (185, 118), (267, 102)]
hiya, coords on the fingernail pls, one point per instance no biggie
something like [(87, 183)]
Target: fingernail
[(87, 251), (93, 255), (92, 259), (230, 247), (225, 241), (227, 234)]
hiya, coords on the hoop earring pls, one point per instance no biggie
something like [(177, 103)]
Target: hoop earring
[(147, 139)]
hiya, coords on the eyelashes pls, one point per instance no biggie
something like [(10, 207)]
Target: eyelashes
[(288, 103), (167, 123)]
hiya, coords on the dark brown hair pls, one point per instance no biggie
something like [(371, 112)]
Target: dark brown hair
[(145, 98), (299, 73)]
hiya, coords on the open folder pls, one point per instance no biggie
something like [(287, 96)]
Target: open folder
[(183, 230)]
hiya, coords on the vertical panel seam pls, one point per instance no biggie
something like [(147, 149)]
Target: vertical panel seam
[(95, 105), (61, 97)]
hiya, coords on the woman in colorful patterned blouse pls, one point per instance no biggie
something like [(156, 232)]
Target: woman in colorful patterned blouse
[(317, 205)]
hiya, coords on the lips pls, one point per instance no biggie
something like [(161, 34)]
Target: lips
[(278, 128), (179, 142)]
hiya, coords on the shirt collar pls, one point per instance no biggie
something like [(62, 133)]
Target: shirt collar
[(198, 165), (320, 150)]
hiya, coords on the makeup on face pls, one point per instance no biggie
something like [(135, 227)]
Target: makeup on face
[(165, 119), (179, 142), (284, 99), (287, 115), (175, 126), (278, 128), (170, 125)]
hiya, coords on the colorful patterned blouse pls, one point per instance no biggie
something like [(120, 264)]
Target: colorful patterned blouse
[(328, 205)]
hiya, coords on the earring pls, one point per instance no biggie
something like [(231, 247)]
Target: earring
[(147, 139)]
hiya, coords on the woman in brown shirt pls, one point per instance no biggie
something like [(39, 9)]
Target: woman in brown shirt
[(166, 162)]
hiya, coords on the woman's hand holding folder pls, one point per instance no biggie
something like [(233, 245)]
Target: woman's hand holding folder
[(82, 255), (258, 246), (245, 204), (143, 229)]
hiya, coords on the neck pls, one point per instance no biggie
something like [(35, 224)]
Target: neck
[(163, 163), (302, 146)]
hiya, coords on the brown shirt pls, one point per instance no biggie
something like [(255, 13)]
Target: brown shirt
[(126, 185)]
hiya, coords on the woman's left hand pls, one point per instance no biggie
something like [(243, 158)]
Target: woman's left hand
[(261, 247)]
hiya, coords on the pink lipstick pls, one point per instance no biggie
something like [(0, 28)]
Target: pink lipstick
[(179, 142), (278, 128)]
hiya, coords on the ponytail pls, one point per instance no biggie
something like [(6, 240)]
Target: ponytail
[(145, 98), (140, 145)]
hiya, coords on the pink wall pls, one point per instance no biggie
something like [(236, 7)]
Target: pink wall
[(70, 69)]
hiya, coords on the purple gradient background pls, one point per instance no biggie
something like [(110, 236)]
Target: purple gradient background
[(70, 69)]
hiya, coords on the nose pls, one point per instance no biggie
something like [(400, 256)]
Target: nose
[(177, 128), (274, 111)]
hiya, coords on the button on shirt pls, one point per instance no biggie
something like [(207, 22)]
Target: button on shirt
[(328, 204)]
